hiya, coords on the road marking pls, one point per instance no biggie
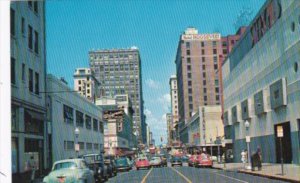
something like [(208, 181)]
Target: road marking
[(185, 178), (231, 178), (144, 179)]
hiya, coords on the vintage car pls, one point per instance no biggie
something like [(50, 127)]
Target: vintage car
[(203, 160), (70, 170), (192, 160), (96, 163), (155, 161), (142, 163), (176, 160), (109, 161), (164, 161), (123, 163)]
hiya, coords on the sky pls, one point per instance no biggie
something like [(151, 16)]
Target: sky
[(74, 27)]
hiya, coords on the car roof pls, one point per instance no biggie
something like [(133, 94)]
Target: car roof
[(90, 155), (77, 160)]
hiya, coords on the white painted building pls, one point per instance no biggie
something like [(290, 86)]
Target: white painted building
[(67, 110), (86, 84), (28, 74), (261, 80), (174, 99)]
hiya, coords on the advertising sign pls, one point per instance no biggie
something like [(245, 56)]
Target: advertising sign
[(279, 131), (201, 37)]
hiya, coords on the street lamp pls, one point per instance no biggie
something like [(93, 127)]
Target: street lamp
[(77, 148), (211, 147), (247, 125)]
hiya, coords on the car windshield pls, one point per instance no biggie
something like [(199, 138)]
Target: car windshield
[(65, 165), (121, 160), (92, 158)]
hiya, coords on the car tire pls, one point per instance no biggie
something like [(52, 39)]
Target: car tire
[(137, 168)]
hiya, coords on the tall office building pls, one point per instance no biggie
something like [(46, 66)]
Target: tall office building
[(28, 76), (174, 104), (119, 72), (196, 65), (86, 84)]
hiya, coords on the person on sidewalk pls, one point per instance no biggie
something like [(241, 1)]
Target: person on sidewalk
[(244, 157), (256, 160)]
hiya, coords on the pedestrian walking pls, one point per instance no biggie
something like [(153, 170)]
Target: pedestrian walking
[(256, 160), (244, 157)]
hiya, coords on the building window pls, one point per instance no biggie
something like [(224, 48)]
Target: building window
[(190, 98), (30, 4), (190, 90), (79, 88), (23, 72), (205, 98), (88, 91), (187, 44), (96, 146), (36, 42), (101, 127), (79, 119), (12, 22), (293, 26), (203, 52), (215, 59), (204, 90), (13, 70), (191, 106), (224, 51), (35, 7), (217, 97), (188, 52), (205, 103), (189, 83), (88, 122), (224, 43), (68, 114), (217, 90), (202, 44), (203, 59), (188, 67), (120, 126), (14, 122), (89, 146), (215, 66), (81, 146), (188, 60), (203, 67), (217, 82), (232, 42), (204, 74), (69, 145), (204, 82), (23, 25), (79, 81), (30, 37), (214, 51), (30, 80), (95, 125), (37, 84), (214, 43), (189, 75)]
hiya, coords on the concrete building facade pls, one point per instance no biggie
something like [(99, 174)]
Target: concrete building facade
[(261, 84), (169, 128), (28, 76), (86, 84), (174, 104), (119, 71), (66, 111)]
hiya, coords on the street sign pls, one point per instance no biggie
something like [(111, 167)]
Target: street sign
[(77, 147), (247, 138), (279, 131)]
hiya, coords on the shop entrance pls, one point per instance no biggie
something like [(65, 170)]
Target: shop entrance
[(286, 143)]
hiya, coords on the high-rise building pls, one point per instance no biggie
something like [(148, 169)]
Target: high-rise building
[(28, 77), (86, 84), (169, 128), (196, 65), (198, 59), (174, 104), (119, 72)]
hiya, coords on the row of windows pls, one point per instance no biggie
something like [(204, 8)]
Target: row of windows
[(89, 122), (188, 52), (33, 77), (112, 56), (215, 58), (214, 44), (69, 145), (33, 35)]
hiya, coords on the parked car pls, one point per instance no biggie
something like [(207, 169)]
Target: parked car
[(142, 163), (96, 163), (176, 160), (203, 160), (70, 170), (155, 161), (164, 160), (192, 160), (111, 165), (185, 158), (123, 163)]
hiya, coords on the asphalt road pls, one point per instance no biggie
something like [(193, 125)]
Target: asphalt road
[(186, 174)]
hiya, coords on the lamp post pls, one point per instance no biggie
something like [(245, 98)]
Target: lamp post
[(247, 125), (280, 135), (211, 147), (77, 147)]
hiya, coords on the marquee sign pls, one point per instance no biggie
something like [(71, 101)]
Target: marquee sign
[(113, 114), (201, 37)]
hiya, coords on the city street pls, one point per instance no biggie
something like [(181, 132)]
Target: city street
[(186, 174)]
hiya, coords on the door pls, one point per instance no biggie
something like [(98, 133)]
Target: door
[(286, 143)]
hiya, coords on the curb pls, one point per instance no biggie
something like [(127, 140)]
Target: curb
[(269, 176)]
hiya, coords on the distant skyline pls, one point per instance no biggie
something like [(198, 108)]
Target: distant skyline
[(73, 28)]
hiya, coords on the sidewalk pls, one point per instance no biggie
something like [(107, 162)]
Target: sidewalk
[(272, 171)]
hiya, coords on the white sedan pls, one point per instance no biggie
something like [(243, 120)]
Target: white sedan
[(70, 170)]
